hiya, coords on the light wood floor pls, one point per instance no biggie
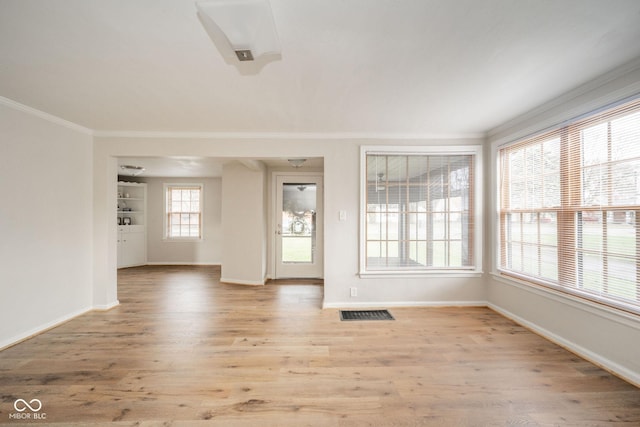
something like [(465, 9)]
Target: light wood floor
[(184, 350)]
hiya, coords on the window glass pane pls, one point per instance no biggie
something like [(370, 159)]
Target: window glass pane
[(625, 137), (622, 279), (455, 226), (591, 237), (551, 173), (549, 263), (591, 272), (594, 189), (393, 249), (594, 145), (455, 254), (626, 183), (375, 228), (439, 254), (621, 233), (374, 250), (393, 225), (530, 228)]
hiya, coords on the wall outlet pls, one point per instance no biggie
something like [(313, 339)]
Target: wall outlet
[(354, 292)]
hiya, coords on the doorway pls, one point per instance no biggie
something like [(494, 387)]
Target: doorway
[(298, 226)]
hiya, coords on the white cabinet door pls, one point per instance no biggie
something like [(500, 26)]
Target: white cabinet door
[(136, 249), (120, 250), (132, 249)]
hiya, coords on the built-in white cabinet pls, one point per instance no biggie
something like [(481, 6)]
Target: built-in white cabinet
[(132, 224)]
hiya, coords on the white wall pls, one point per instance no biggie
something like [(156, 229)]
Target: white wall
[(244, 235), (46, 258), (608, 337), (205, 251), (341, 192)]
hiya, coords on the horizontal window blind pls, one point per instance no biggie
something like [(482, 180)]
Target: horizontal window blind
[(570, 207), (419, 212)]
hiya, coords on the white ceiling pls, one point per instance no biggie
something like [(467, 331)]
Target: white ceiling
[(400, 67)]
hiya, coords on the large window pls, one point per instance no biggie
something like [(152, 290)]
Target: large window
[(183, 211), (570, 207), (419, 209)]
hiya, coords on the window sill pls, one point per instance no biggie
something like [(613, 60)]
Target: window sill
[(420, 273), (182, 239)]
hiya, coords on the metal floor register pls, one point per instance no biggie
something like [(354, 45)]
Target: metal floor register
[(365, 315)]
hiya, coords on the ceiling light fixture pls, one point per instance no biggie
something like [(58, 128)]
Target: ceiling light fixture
[(240, 29), (131, 170), (296, 163)]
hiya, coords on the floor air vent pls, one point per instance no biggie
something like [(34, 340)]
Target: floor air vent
[(365, 315)]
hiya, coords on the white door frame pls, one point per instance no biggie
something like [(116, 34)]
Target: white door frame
[(319, 253)]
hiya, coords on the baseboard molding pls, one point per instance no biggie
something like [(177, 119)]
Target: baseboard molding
[(213, 264), (16, 339), (387, 304), (241, 282), (595, 358), (106, 307)]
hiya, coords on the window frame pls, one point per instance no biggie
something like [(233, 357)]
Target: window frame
[(476, 151), (570, 209), (166, 212)]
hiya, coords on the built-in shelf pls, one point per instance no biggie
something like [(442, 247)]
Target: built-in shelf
[(132, 225)]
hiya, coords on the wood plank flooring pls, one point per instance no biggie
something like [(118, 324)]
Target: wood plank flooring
[(183, 349)]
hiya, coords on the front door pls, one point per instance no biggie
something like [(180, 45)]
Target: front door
[(298, 226)]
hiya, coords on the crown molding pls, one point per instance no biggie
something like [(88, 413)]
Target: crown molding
[(382, 136), (45, 116), (286, 135), (520, 126)]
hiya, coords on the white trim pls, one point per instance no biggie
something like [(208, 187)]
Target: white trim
[(105, 307), (595, 358), (420, 273), (214, 264), (287, 135), (45, 116), (272, 219), (474, 150), (242, 281), (43, 328), (400, 304), (271, 214), (516, 128)]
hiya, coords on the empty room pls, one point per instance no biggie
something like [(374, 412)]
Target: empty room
[(320, 212)]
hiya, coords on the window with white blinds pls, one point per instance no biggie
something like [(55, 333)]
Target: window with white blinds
[(183, 211), (419, 211), (570, 208)]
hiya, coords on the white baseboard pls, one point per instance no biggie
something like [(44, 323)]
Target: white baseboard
[(42, 328), (595, 358), (105, 307), (185, 263), (242, 282), (378, 304)]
